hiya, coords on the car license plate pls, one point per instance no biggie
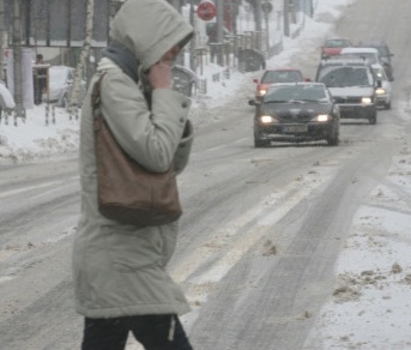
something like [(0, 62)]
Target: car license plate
[(348, 109), (295, 128)]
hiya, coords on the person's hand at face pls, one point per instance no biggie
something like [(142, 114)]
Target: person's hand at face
[(160, 74)]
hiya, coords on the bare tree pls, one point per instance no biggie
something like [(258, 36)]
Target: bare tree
[(84, 54)]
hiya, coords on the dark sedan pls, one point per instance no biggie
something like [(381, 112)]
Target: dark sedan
[(296, 112), (384, 53)]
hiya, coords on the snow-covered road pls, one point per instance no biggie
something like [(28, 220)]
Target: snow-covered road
[(286, 247)]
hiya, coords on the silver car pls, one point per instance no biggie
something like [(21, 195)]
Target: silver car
[(61, 80), (384, 92)]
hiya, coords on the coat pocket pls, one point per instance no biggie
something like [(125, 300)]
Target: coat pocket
[(131, 250)]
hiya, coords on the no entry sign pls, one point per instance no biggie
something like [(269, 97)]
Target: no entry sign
[(206, 10)]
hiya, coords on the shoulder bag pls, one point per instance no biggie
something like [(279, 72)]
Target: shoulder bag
[(127, 192)]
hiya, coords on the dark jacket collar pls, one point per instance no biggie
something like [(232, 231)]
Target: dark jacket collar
[(124, 58)]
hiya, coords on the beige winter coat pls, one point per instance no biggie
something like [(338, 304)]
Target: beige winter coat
[(120, 270)]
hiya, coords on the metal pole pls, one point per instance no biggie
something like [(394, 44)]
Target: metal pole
[(193, 40), (2, 39), (258, 23), (235, 31), (286, 18), (17, 55), (267, 28), (220, 31)]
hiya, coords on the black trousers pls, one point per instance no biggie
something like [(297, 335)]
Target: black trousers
[(154, 332)]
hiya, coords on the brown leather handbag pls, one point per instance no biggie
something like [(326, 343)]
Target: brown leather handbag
[(127, 192)]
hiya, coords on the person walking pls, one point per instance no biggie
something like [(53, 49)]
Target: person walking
[(40, 80), (121, 284)]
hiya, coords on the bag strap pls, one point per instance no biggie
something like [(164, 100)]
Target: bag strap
[(95, 103), (95, 94)]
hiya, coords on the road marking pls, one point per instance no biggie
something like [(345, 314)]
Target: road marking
[(248, 229), (34, 187)]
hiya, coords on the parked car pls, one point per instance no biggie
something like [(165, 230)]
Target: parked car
[(184, 80), (384, 93), (296, 112), (272, 76), (352, 85), (7, 103), (61, 80), (385, 55), (333, 46)]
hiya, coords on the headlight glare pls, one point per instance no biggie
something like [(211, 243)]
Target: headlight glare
[(366, 100), (262, 92), (267, 119), (380, 91), (322, 118)]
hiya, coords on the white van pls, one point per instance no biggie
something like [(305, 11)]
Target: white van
[(370, 54)]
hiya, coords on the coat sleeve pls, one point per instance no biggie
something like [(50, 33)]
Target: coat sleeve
[(184, 149), (151, 137)]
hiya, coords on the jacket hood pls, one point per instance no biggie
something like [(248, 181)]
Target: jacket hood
[(149, 28)]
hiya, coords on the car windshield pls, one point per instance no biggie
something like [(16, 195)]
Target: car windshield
[(337, 43), (271, 77), (370, 56), (345, 76), (299, 93), (382, 50)]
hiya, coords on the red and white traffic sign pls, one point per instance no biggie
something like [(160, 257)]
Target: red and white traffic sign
[(206, 10)]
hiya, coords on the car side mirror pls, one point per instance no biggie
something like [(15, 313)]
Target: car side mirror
[(253, 102), (255, 81), (379, 83)]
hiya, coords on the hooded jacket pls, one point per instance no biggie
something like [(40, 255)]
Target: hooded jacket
[(120, 270)]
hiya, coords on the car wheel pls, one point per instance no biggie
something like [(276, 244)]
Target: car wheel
[(373, 120), (63, 101), (387, 105), (333, 139)]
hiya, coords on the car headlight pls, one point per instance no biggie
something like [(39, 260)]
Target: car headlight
[(262, 92), (267, 119), (366, 100), (321, 118), (380, 91)]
